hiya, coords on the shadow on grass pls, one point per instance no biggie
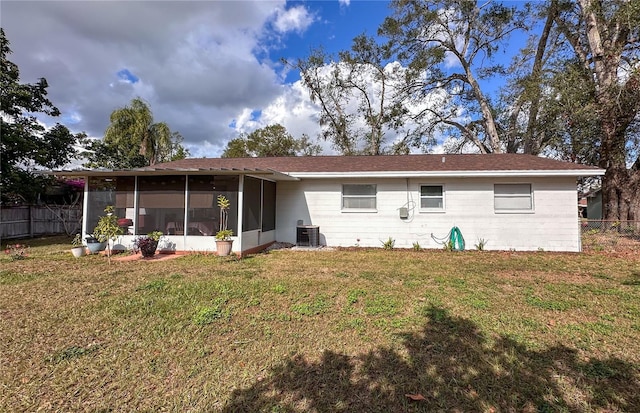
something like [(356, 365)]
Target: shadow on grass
[(455, 368)]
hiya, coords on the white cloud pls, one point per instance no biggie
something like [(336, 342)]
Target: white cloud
[(296, 19), (196, 63), (200, 65)]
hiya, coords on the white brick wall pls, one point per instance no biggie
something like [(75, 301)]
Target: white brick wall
[(552, 226)]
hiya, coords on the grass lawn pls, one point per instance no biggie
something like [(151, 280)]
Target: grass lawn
[(347, 330)]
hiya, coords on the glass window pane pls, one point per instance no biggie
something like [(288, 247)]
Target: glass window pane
[(512, 189), (431, 197), (431, 190), (358, 189), (513, 197), (513, 203), (358, 196), (435, 203), (359, 203)]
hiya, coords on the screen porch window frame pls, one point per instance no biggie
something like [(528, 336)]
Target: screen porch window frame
[(442, 197), (512, 197), (359, 193)]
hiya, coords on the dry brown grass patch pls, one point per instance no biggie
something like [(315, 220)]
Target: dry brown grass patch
[(295, 331)]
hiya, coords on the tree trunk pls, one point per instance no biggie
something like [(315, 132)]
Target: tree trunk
[(621, 195), (617, 104)]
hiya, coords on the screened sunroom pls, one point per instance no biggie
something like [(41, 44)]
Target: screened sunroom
[(184, 208)]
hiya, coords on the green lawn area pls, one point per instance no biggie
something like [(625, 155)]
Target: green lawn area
[(325, 331)]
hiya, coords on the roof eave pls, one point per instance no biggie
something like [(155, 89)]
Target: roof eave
[(150, 171), (451, 174)]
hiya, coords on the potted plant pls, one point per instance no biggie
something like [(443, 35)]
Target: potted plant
[(78, 250), (224, 242), (107, 229), (94, 244), (147, 244)]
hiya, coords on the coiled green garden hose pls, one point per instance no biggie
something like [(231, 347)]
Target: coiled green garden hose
[(456, 240)]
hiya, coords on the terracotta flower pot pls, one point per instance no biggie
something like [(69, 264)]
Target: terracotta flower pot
[(223, 248)]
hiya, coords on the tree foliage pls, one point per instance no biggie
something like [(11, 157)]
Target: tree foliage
[(355, 95), (133, 140), (272, 140), (448, 46), (604, 37), (26, 144)]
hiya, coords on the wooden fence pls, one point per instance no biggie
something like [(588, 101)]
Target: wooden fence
[(35, 220)]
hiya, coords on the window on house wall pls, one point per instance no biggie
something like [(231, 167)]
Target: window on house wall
[(432, 197), (512, 197), (359, 197)]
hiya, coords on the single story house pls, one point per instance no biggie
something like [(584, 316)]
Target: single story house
[(511, 201)]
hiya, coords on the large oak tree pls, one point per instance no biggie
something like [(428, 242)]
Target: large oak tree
[(605, 39)]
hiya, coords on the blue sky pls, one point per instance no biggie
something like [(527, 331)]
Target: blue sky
[(210, 69), (337, 25)]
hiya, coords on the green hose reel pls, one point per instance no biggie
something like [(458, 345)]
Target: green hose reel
[(456, 240)]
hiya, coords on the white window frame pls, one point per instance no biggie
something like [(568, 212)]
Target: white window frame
[(443, 196), (374, 196), (514, 196)]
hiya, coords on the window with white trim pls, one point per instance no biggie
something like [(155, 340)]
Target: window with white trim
[(512, 197), (432, 197), (359, 197)]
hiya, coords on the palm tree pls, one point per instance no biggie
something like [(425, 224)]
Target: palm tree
[(132, 127)]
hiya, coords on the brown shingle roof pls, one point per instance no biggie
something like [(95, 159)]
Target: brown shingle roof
[(386, 163)]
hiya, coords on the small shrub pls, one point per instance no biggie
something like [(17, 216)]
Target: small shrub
[(449, 246), (77, 241), (17, 251), (416, 246), (481, 244), (155, 235), (388, 244)]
